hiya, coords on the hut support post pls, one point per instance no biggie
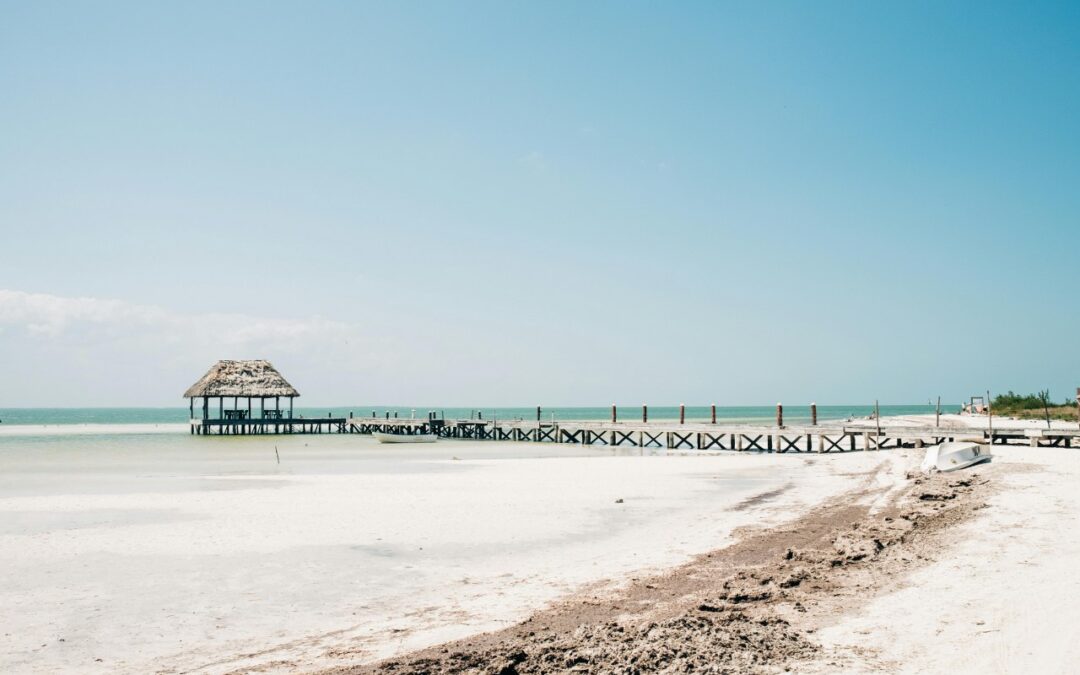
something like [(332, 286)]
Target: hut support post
[(813, 414)]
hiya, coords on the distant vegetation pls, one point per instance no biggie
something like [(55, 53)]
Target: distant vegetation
[(1032, 406)]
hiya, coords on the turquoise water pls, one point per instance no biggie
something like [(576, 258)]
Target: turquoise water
[(729, 414)]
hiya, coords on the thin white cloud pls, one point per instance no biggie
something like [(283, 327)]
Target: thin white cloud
[(73, 350), (54, 317), (50, 315)]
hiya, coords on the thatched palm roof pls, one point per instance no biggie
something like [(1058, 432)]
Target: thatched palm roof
[(241, 378)]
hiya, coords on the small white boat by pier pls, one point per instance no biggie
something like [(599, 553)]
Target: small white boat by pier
[(953, 456), (403, 438)]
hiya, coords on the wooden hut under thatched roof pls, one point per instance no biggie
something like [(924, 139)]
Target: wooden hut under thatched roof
[(256, 378), (249, 380)]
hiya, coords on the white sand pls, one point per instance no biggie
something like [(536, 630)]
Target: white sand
[(1002, 599), (161, 555), (953, 420)]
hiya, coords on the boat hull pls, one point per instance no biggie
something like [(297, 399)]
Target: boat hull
[(404, 438), (954, 456)]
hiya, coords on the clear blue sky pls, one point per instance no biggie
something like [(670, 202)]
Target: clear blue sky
[(567, 203)]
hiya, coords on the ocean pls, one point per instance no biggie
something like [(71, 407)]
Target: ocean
[(725, 414)]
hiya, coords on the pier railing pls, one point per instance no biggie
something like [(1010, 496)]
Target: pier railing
[(674, 435)]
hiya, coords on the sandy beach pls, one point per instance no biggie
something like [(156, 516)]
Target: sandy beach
[(167, 555), (134, 556), (957, 572)]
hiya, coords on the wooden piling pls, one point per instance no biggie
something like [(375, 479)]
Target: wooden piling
[(780, 415), (644, 413), (813, 414), (682, 413), (537, 413), (614, 414), (714, 413), (937, 414)]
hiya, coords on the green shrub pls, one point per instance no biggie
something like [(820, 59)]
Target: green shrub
[(1014, 401)]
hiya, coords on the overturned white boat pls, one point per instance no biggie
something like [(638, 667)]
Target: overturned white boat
[(403, 438), (954, 455)]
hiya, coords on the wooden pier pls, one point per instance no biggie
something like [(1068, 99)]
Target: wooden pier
[(281, 425), (248, 387), (710, 436)]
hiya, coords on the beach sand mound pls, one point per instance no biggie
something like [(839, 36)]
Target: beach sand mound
[(751, 607)]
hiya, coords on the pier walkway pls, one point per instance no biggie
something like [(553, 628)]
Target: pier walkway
[(706, 436), (269, 425)]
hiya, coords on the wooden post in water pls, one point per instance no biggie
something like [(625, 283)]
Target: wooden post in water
[(1046, 408), (682, 413), (538, 414), (813, 414), (614, 414), (937, 414), (877, 417), (780, 415), (714, 413), (989, 417), (644, 413)]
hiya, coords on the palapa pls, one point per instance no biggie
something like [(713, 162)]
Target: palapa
[(255, 378)]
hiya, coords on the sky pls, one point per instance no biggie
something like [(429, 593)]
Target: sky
[(558, 203)]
